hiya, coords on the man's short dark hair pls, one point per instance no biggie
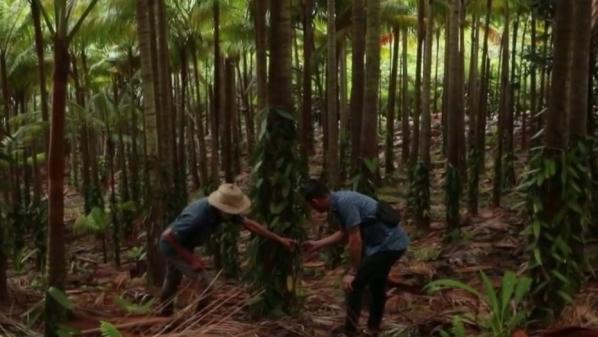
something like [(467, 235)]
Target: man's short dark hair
[(314, 189)]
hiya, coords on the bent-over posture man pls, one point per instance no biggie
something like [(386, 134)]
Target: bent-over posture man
[(193, 228), (373, 247)]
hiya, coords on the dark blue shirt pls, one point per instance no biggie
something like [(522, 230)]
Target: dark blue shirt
[(355, 209), (197, 222)]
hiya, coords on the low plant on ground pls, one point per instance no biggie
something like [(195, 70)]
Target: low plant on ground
[(507, 310)]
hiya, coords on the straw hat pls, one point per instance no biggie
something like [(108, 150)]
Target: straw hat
[(230, 199)]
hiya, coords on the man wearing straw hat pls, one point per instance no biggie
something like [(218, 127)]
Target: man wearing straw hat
[(193, 228)]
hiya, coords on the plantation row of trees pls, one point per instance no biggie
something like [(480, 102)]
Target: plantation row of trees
[(142, 103)]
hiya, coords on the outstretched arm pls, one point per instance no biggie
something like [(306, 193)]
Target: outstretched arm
[(315, 245), (262, 231)]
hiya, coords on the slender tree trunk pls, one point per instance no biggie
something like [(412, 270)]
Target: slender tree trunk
[(227, 130), (436, 66), (168, 112), (261, 7), (306, 122), (392, 95), (418, 66), (369, 132), (344, 111), (533, 83), (453, 97), (216, 112), (505, 106), (39, 50), (203, 160), (405, 102), (332, 98), (509, 171), (357, 79), (56, 166), (425, 134), (148, 55)]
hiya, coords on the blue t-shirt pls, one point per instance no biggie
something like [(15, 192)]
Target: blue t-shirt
[(355, 209), (197, 222)]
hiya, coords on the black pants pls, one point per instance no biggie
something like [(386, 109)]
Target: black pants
[(373, 272)]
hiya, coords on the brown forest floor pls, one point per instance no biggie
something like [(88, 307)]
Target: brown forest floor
[(492, 243)]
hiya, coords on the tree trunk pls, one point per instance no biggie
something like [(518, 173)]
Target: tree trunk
[(203, 160), (227, 130), (580, 74), (504, 108), (56, 166), (392, 96), (453, 97), (216, 112), (436, 66), (261, 7), (369, 132), (344, 111), (357, 79), (533, 81), (425, 142), (405, 102), (509, 171), (331, 79), (167, 110), (148, 55), (418, 89), (306, 122), (39, 50)]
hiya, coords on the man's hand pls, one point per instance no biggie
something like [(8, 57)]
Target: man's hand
[(311, 246), (287, 243), (348, 282)]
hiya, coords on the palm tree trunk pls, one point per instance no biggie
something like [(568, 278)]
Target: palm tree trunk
[(203, 160), (167, 110), (306, 123), (453, 97), (216, 112), (227, 129), (436, 66), (580, 75), (418, 89), (344, 110), (369, 132), (357, 79), (405, 102), (533, 83), (424, 144), (39, 50), (331, 79), (56, 166), (502, 115), (392, 96), (261, 7), (155, 186)]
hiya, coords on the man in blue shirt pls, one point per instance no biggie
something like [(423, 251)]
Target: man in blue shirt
[(373, 247), (193, 228)]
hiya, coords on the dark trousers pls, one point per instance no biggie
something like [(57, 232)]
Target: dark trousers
[(373, 272)]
